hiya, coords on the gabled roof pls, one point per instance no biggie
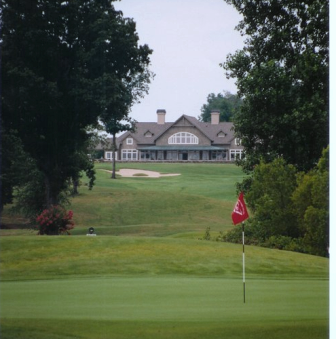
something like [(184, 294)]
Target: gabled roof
[(193, 121), (211, 131), (142, 128)]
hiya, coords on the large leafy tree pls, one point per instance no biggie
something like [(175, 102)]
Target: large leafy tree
[(311, 204), (63, 64), (282, 75), (269, 199), (226, 103)]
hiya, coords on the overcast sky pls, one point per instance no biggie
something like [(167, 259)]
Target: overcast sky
[(189, 39)]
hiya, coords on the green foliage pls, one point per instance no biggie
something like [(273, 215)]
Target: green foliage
[(290, 209), (283, 75), (207, 235), (11, 174), (226, 104), (285, 243), (311, 203), (51, 95), (269, 198)]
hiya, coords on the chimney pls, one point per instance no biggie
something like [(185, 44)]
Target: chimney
[(215, 114), (161, 116)]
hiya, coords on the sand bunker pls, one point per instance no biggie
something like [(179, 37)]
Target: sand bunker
[(128, 173)]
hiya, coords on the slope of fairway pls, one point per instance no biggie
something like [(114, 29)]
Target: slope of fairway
[(202, 196), (56, 257)]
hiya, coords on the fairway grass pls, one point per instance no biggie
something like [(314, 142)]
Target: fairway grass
[(202, 196)]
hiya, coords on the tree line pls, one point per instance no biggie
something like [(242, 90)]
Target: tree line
[(282, 76)]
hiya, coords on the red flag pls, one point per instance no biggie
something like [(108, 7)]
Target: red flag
[(239, 213)]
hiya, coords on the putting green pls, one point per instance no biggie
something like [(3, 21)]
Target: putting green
[(186, 302)]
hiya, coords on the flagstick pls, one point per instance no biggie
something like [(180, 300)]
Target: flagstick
[(243, 259)]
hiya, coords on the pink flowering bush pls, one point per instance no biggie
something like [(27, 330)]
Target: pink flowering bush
[(55, 220)]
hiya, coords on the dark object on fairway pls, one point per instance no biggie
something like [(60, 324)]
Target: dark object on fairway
[(91, 230)]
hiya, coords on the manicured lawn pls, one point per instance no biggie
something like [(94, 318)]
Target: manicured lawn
[(131, 287), (164, 307), (202, 196), (147, 275)]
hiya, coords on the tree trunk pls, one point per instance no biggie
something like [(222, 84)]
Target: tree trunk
[(113, 157), (75, 183), (50, 198)]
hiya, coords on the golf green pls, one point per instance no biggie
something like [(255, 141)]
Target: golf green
[(213, 305)]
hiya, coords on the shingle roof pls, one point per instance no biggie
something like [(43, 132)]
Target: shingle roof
[(209, 130)]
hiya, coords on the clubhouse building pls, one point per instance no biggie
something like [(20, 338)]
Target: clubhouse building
[(186, 139)]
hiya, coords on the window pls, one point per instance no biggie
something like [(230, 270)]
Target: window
[(147, 155), (205, 155), (237, 141), (148, 134), (129, 141), (221, 134), (236, 154), (183, 138), (108, 156), (172, 155), (218, 155), (129, 154), (194, 155)]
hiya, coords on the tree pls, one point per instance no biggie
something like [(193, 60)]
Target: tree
[(11, 175), (63, 64), (290, 209), (226, 103), (311, 204), (114, 126), (269, 198), (282, 75)]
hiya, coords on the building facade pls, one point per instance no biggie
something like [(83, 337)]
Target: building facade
[(186, 139)]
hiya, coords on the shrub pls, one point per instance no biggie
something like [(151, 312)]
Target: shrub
[(284, 243), (55, 220), (234, 235), (207, 235)]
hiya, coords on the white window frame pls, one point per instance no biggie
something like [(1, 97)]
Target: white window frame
[(183, 138), (129, 141), (108, 155), (236, 154), (237, 141), (129, 155)]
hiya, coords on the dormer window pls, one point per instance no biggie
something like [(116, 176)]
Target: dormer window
[(129, 141), (221, 134), (148, 134)]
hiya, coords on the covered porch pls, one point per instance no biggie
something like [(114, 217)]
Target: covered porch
[(183, 153)]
